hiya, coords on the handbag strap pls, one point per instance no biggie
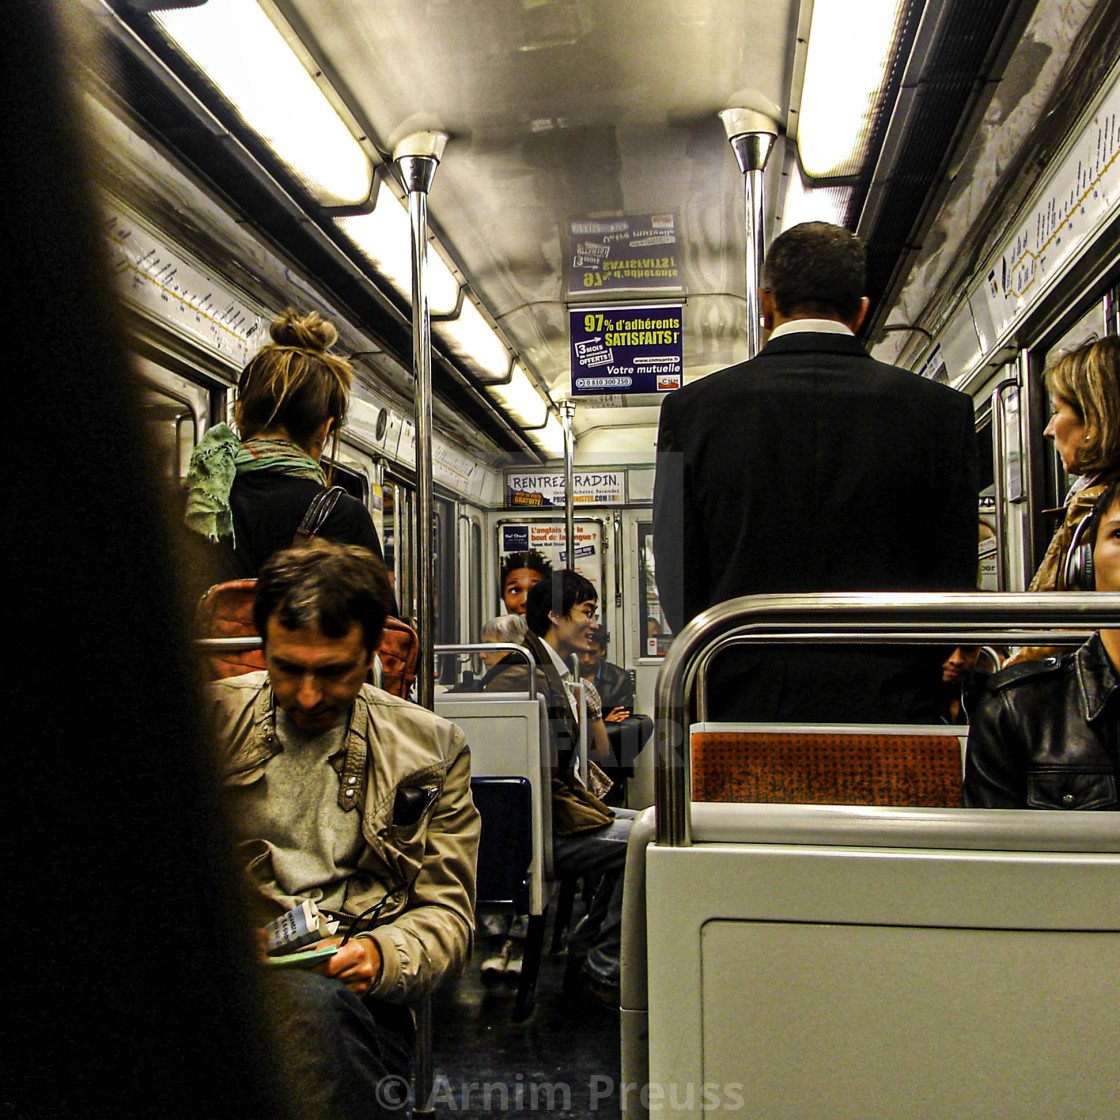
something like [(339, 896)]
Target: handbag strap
[(317, 512)]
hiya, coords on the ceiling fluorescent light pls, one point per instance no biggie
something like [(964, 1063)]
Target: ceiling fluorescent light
[(520, 398), (384, 236), (803, 203), (471, 337), (550, 438), (849, 52), (243, 53)]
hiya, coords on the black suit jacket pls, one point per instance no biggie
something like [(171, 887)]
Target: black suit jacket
[(814, 467)]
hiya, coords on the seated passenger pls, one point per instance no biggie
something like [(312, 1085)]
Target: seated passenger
[(1045, 734), (960, 684), (626, 732), (506, 628), (339, 793), (589, 838)]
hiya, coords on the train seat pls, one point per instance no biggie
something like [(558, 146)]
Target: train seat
[(508, 736), (866, 963), (226, 611), (828, 765)]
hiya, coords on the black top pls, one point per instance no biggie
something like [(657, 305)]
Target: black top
[(267, 508)]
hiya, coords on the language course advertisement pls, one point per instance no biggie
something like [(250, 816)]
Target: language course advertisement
[(626, 349)]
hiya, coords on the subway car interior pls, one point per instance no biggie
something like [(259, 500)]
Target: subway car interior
[(613, 173)]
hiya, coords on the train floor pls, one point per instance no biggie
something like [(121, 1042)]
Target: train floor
[(562, 1061)]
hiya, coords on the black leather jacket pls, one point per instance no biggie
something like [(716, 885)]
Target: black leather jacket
[(1044, 735)]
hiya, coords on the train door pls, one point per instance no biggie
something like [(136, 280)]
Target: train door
[(399, 532), (469, 582)]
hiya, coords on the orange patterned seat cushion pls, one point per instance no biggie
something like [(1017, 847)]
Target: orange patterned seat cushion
[(809, 768), (226, 611)]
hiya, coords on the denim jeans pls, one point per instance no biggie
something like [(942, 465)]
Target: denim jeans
[(602, 851), (346, 1058)]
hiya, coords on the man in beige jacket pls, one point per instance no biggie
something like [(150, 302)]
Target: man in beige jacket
[(342, 794)]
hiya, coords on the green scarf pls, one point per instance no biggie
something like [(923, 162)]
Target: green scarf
[(219, 458)]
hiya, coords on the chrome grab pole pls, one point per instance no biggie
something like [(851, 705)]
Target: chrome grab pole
[(569, 410), (416, 158), (1003, 504), (894, 617), (751, 135)]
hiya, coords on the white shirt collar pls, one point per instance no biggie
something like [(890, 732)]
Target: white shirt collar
[(815, 326), (562, 667)]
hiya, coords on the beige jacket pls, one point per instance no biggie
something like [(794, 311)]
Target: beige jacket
[(428, 867)]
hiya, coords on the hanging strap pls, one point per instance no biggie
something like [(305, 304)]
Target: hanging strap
[(317, 512)]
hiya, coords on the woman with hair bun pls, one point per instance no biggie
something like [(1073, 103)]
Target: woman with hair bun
[(249, 495)]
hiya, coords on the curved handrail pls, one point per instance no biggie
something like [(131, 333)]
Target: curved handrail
[(489, 647), (901, 617)]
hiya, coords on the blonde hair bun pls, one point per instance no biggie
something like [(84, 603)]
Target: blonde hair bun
[(305, 332)]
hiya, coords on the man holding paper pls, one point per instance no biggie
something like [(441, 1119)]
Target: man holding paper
[(359, 802)]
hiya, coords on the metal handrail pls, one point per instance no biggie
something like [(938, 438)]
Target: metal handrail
[(897, 617), (489, 647)]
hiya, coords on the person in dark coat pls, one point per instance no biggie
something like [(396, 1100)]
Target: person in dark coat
[(627, 733), (813, 467)]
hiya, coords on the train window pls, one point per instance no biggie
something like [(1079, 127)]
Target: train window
[(398, 519), (172, 430), (353, 482), (446, 607), (475, 577), (654, 634)]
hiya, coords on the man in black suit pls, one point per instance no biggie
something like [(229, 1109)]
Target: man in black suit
[(813, 467)]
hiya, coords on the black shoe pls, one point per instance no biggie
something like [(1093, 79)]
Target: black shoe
[(605, 995)]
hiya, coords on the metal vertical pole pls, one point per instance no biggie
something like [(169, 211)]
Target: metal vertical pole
[(569, 408), (752, 186), (751, 135), (416, 159)]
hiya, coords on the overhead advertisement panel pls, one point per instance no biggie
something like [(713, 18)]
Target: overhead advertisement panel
[(546, 488), (635, 254), (626, 349)]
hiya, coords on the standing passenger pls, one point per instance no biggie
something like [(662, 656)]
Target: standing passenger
[(249, 495), (813, 467)]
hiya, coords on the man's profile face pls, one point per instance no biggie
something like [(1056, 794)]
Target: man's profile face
[(315, 678), (573, 630)]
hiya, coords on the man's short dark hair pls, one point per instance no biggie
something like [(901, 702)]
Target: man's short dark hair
[(599, 637), (816, 269), (326, 586), (558, 593), (533, 560), (1100, 509)]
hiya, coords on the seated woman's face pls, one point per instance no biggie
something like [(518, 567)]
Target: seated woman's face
[(1106, 552), (1066, 429)]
